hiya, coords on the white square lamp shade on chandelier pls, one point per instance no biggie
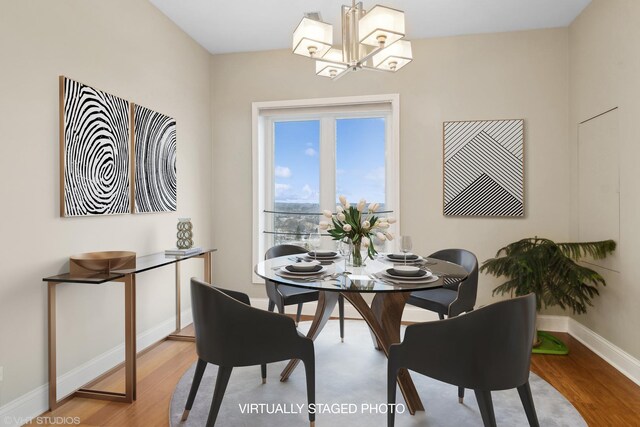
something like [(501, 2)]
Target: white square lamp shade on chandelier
[(371, 40)]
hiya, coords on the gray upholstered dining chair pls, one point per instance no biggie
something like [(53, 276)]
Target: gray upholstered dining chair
[(282, 295), (230, 333), (487, 349), (454, 298)]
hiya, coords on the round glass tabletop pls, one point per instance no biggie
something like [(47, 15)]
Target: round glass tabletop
[(372, 278)]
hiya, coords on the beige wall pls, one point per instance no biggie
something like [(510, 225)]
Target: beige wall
[(511, 75), (605, 73), (127, 48)]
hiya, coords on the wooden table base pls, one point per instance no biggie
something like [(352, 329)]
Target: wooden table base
[(383, 317)]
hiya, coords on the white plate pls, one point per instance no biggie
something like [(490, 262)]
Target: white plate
[(284, 272), (400, 254), (406, 270), (429, 277), (303, 266)]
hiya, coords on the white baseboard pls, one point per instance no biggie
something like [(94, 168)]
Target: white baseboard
[(28, 406), (553, 323), (628, 365)]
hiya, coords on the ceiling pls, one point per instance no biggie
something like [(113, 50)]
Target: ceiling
[(250, 25)]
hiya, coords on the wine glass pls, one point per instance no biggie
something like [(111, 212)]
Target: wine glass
[(344, 248), (405, 246), (314, 241)]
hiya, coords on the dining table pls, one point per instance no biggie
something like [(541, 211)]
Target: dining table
[(383, 314)]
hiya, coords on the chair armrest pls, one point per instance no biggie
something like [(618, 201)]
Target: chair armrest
[(467, 293), (238, 296)]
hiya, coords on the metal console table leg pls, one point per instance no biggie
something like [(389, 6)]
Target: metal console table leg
[(129, 395)]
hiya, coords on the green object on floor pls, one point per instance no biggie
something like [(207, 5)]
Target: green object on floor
[(550, 345)]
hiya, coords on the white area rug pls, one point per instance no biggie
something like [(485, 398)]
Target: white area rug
[(351, 391)]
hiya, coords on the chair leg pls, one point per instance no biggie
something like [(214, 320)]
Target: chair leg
[(272, 305), (280, 308), (310, 372), (197, 377), (441, 316), (218, 393), (341, 311), (392, 374), (486, 407), (527, 401), (263, 371), (460, 394), (298, 313)]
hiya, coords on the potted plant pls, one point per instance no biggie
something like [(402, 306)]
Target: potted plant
[(551, 271)]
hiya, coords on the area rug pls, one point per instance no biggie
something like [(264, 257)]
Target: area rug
[(351, 391)]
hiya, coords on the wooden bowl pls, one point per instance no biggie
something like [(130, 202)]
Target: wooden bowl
[(101, 262)]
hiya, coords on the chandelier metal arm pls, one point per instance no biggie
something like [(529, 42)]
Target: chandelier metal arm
[(380, 70), (345, 72)]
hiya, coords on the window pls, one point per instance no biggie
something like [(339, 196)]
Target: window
[(308, 153)]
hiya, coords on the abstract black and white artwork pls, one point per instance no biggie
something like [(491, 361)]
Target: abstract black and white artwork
[(155, 184), (484, 168), (95, 145)]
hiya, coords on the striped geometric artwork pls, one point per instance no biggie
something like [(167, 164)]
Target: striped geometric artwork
[(94, 163), (484, 168), (155, 161)]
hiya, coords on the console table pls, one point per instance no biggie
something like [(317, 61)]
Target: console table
[(128, 277)]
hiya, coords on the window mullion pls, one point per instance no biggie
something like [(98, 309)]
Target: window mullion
[(269, 182)]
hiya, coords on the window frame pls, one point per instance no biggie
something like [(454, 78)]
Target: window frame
[(264, 114)]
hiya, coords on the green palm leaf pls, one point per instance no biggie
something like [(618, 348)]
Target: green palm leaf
[(550, 270)]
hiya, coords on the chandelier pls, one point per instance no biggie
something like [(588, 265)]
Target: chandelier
[(371, 40)]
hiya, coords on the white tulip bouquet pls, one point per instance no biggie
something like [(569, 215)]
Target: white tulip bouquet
[(360, 227)]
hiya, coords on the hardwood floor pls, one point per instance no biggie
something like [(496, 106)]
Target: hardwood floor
[(603, 396)]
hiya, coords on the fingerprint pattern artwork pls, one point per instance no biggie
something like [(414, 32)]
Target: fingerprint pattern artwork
[(484, 168), (96, 132), (155, 186)]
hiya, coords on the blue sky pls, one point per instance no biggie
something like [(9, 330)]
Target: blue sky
[(360, 154)]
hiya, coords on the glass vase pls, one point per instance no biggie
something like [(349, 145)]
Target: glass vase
[(357, 259)]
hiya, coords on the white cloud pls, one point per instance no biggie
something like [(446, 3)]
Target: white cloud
[(281, 189), (283, 172), (310, 152), (294, 194)]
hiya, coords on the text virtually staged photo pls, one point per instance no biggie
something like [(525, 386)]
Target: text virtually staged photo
[(320, 213)]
